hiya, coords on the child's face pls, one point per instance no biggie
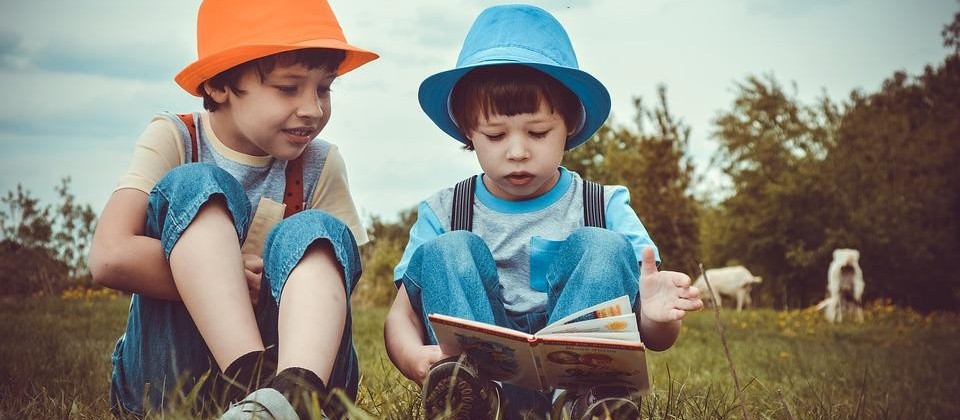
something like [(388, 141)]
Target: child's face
[(277, 116), (520, 154)]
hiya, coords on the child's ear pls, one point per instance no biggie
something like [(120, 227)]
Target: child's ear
[(219, 95)]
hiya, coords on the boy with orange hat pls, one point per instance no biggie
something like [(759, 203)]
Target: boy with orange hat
[(235, 229), (526, 242)]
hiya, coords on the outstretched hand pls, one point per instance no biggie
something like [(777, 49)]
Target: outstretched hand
[(665, 296)]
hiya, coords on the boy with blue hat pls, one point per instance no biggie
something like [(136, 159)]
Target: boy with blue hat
[(526, 242), (234, 228)]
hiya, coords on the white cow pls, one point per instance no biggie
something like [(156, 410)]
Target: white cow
[(734, 282), (844, 286)]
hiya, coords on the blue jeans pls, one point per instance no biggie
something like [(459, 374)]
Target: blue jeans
[(162, 354), (455, 274)]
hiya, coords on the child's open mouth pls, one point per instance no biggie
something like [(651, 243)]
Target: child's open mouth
[(519, 179), (299, 135)]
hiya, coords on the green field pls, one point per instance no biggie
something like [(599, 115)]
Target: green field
[(898, 364)]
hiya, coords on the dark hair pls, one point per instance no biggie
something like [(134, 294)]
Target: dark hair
[(312, 58), (509, 90)]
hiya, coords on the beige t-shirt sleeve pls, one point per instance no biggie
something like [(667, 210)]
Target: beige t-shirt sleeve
[(332, 195), (158, 150)]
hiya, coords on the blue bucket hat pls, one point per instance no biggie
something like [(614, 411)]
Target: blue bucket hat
[(518, 34)]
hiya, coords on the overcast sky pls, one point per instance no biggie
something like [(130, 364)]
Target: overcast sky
[(81, 78)]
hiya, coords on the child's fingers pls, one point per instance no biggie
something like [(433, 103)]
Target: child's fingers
[(253, 263), (677, 314), (253, 284), (689, 304), (648, 264), (679, 279)]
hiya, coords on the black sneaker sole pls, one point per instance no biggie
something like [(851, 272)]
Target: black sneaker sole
[(454, 390), (449, 392)]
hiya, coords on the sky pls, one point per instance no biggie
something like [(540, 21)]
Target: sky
[(81, 78)]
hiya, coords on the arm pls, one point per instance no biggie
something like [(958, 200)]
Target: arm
[(403, 329), (404, 338), (666, 296), (121, 257)]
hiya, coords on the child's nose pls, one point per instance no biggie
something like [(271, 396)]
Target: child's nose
[(517, 148), (310, 106)]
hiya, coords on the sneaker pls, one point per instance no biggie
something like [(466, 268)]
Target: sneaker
[(262, 404), (597, 403), (454, 390)]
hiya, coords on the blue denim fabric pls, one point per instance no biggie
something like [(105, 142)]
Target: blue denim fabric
[(455, 274), (161, 352)]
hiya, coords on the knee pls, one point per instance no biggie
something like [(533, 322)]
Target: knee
[(199, 182), (308, 234), (195, 176), (598, 244), (184, 191), (594, 257), (459, 255), (458, 242), (310, 225), (455, 248)]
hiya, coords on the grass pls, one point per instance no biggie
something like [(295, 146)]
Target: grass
[(55, 364)]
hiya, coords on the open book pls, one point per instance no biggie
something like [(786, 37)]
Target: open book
[(599, 345)]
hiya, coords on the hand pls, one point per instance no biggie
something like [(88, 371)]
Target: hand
[(665, 296), (253, 271), (419, 362)]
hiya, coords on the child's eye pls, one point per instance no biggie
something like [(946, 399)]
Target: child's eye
[(539, 134), (494, 137), (289, 90)]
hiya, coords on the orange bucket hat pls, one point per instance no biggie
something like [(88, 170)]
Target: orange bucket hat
[(232, 32)]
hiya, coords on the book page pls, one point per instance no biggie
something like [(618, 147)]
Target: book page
[(628, 337), (499, 353), (613, 307), (615, 324), (577, 365)]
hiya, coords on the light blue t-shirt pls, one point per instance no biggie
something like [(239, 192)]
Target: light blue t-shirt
[(523, 236)]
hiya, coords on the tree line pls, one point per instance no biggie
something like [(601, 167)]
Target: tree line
[(877, 171), (44, 248)]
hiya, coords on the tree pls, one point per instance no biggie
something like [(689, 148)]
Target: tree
[(951, 34), (75, 225), (771, 147), (43, 248), (897, 167), (23, 220), (880, 176)]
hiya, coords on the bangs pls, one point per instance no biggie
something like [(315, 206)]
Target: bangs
[(509, 90), (311, 58), (508, 98)]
